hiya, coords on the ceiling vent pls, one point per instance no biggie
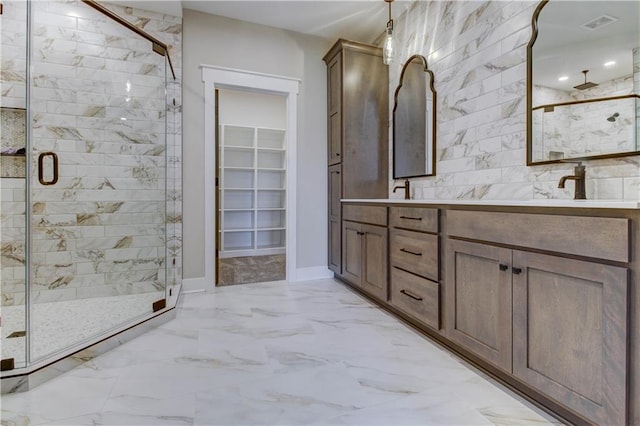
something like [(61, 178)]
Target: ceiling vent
[(598, 22)]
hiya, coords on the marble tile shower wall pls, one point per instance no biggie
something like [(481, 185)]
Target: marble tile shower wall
[(580, 129), (101, 230), (13, 63), (477, 50)]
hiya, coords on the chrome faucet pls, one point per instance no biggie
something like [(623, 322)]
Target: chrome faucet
[(407, 189), (579, 176)]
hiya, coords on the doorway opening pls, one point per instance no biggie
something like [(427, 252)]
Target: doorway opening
[(214, 79), (251, 191)]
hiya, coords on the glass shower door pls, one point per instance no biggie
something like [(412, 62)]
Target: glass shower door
[(13, 182), (98, 191)]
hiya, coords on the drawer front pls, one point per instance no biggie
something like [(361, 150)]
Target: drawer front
[(375, 215), (415, 252), (415, 218), (416, 296), (597, 237)]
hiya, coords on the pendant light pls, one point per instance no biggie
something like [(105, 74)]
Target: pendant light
[(388, 49)]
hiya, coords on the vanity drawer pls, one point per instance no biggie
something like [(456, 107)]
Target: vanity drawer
[(416, 296), (415, 218), (415, 252), (375, 215)]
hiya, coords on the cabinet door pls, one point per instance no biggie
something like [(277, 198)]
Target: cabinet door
[(365, 109), (570, 333), (478, 300), (334, 81), (335, 219), (352, 252), (374, 278)]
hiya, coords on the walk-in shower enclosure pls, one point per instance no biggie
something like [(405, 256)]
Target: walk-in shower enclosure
[(84, 181)]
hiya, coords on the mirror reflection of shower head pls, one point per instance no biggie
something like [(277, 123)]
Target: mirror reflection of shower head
[(613, 117), (586, 84)]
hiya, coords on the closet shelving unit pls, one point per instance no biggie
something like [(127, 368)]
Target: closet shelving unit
[(252, 191)]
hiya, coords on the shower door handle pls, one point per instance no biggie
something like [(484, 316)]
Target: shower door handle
[(41, 177)]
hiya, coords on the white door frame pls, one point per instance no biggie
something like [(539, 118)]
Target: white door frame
[(214, 78)]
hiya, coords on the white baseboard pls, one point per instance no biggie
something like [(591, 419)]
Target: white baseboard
[(312, 273), (195, 284)]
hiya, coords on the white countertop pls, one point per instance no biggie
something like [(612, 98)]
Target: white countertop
[(599, 204)]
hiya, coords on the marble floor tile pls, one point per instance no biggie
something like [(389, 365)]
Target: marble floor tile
[(274, 353)]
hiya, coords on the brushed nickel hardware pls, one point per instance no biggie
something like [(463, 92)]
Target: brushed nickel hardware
[(579, 176), (41, 177), (411, 295), (410, 218), (407, 190), (503, 267), (410, 252), (516, 271)]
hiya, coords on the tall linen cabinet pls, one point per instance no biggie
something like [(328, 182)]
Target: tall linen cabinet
[(358, 132)]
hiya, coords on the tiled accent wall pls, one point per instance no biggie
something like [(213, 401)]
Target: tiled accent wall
[(13, 64), (98, 100), (477, 51)]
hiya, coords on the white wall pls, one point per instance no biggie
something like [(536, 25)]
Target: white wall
[(219, 41)]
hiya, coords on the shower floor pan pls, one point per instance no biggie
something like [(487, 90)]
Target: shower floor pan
[(77, 329)]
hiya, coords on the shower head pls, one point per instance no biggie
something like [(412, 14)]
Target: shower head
[(613, 117), (586, 84)]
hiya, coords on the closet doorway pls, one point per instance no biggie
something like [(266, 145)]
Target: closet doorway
[(251, 177)]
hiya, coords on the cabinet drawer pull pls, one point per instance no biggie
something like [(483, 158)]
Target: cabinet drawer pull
[(411, 295), (503, 267), (410, 252), (360, 233), (516, 271), (410, 218)]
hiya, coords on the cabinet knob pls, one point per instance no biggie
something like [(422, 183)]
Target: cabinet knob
[(503, 267), (516, 271)]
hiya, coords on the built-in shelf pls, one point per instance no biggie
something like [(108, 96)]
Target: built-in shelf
[(252, 191)]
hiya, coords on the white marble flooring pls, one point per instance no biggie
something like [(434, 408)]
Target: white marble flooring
[(274, 354)]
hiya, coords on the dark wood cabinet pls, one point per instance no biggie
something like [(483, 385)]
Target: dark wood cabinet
[(364, 257), (556, 323), (570, 333), (478, 300), (414, 255), (335, 219), (357, 130)]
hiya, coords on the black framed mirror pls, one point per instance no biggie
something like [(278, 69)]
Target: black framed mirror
[(583, 98), (414, 121)]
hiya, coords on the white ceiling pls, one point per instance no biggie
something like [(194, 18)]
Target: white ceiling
[(360, 20)]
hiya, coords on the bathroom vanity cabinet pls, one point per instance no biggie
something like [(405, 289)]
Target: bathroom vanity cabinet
[(414, 286), (557, 321), (544, 299), (364, 249), (357, 129)]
